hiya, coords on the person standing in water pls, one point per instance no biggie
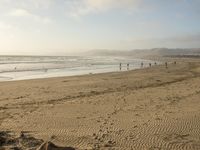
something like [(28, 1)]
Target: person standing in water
[(120, 66), (166, 65), (149, 64), (128, 66), (142, 65)]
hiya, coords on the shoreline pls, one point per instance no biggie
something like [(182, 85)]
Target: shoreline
[(82, 75), (31, 68), (138, 109), (76, 75)]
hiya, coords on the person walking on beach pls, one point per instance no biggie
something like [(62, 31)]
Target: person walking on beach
[(166, 65), (120, 66), (142, 64), (128, 66), (149, 64)]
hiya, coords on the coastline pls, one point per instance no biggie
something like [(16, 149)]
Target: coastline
[(12, 68), (139, 109)]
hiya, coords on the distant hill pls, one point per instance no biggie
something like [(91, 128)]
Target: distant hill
[(141, 53)]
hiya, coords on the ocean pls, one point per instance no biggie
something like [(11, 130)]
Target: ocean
[(32, 67)]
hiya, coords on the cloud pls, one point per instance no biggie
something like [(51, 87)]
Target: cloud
[(21, 13), (85, 7), (109, 4), (37, 4), (27, 14), (34, 10), (41, 4), (73, 8)]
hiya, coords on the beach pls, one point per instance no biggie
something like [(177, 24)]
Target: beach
[(148, 109)]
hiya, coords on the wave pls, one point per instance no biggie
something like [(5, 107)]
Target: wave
[(44, 66)]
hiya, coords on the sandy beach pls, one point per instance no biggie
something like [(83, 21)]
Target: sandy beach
[(148, 109)]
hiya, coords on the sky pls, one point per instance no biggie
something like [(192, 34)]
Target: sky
[(61, 27)]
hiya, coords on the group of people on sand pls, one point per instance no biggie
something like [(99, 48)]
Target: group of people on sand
[(142, 65), (120, 66)]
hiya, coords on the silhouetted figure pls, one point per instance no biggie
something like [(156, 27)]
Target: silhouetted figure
[(21, 134), (120, 66), (155, 63), (149, 64), (128, 66), (166, 65), (175, 62), (142, 65)]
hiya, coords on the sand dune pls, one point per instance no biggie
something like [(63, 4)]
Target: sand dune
[(153, 108)]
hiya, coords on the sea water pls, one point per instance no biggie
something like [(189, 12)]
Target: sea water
[(32, 67)]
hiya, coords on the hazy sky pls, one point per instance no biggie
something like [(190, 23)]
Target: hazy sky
[(64, 26)]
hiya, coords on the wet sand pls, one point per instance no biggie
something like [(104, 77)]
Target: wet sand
[(152, 108)]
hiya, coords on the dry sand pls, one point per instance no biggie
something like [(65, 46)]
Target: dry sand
[(153, 108)]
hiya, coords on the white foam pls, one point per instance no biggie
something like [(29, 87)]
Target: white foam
[(31, 67)]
